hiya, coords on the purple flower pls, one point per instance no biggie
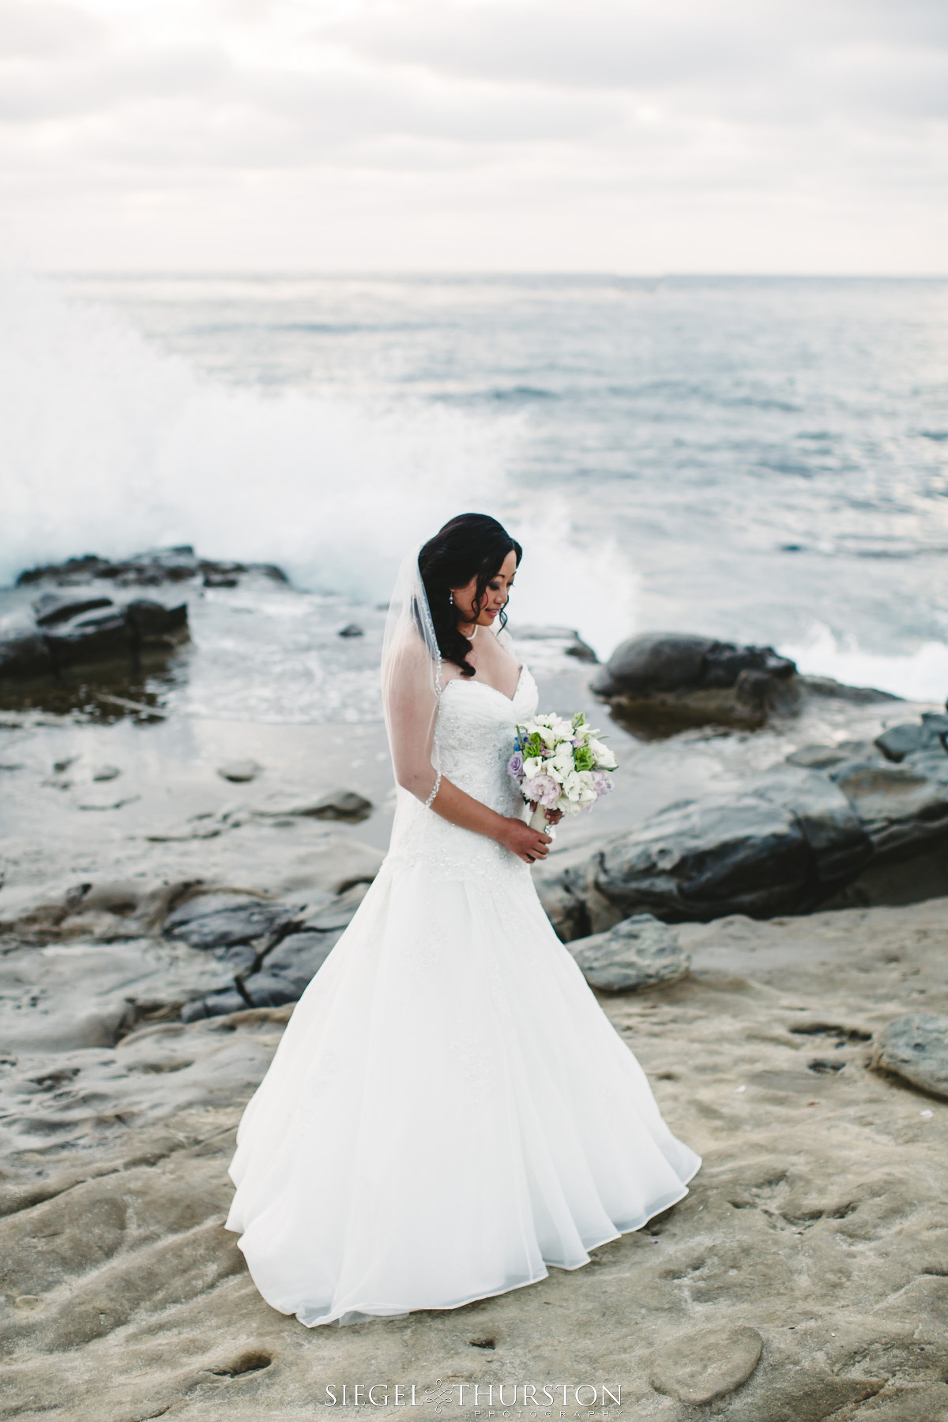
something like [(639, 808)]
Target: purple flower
[(515, 766), (602, 782)]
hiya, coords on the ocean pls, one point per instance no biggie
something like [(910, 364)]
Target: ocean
[(763, 460)]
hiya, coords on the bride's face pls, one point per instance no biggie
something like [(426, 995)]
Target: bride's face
[(494, 597)]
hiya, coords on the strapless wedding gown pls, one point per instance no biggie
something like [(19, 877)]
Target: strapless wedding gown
[(449, 1110)]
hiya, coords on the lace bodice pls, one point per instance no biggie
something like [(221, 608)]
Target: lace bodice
[(474, 740)]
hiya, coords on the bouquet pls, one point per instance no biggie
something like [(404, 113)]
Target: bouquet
[(560, 765)]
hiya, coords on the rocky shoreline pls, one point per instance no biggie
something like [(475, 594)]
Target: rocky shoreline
[(768, 931)]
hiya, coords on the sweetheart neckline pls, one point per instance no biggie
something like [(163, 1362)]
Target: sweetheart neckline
[(471, 681)]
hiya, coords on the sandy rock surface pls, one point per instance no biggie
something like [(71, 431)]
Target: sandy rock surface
[(804, 1277)]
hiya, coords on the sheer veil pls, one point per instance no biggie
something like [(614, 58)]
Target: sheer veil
[(411, 684)]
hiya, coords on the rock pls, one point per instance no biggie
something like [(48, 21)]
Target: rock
[(160, 565), (352, 629), (915, 1047), (667, 680), (51, 607), (822, 757), (904, 807), (706, 1364), (105, 772), (789, 840), (639, 952), (266, 989), (75, 636), (573, 644), (337, 805), (839, 691), (297, 959), (225, 921), (907, 739), (24, 654), (239, 771)]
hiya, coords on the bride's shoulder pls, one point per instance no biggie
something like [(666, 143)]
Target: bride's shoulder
[(505, 640)]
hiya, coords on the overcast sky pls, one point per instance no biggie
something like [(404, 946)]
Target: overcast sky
[(515, 135)]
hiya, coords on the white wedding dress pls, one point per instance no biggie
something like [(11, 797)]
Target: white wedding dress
[(449, 1110)]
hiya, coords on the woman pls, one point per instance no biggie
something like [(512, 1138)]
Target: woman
[(449, 1110)]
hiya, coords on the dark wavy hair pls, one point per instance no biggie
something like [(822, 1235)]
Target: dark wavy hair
[(469, 546)]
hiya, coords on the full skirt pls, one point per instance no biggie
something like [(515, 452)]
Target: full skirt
[(449, 1112)]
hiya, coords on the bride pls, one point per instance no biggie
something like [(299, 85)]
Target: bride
[(449, 1110)]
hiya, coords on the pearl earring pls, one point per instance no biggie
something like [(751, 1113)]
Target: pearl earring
[(451, 598)]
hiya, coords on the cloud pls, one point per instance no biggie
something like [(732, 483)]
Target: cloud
[(826, 112)]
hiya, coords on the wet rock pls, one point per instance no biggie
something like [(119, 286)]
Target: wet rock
[(266, 989), (24, 654), (663, 681), (214, 1004), (915, 1047), (826, 686), (150, 569), (821, 757), (707, 1364), (224, 921), (51, 607), (639, 952), (343, 805), (903, 807), (909, 738), (789, 840), (239, 771), (105, 772), (572, 644), (352, 629), (297, 959), (75, 637)]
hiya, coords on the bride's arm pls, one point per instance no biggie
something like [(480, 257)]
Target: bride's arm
[(459, 808), (411, 706)]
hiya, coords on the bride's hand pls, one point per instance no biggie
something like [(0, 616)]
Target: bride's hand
[(528, 844)]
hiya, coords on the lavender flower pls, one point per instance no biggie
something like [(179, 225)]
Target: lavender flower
[(515, 766)]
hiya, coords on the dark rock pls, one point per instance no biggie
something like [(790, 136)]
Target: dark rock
[(92, 639), (271, 990), (352, 630), (24, 654), (915, 1047), (105, 772), (787, 842), (51, 607), (639, 952), (899, 741), (157, 626), (239, 771), (299, 956), (670, 680), (149, 569), (575, 646), (903, 807), (839, 691), (223, 921), (214, 1004), (337, 805), (822, 757), (76, 635)]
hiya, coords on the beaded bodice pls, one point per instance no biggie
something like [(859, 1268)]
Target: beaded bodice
[(474, 740)]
